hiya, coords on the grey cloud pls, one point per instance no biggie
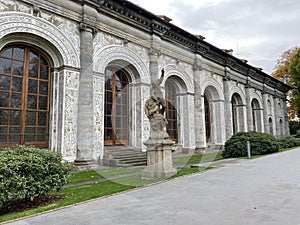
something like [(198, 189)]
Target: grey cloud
[(273, 23)]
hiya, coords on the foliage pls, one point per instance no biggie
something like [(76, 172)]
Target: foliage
[(294, 127), (28, 173), (294, 71), (297, 134), (281, 72), (260, 143), (289, 142)]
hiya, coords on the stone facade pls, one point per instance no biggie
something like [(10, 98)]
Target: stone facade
[(217, 94)]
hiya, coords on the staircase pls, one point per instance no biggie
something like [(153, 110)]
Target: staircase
[(124, 156)]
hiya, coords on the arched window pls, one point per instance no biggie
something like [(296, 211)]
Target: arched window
[(207, 119), (116, 107), (271, 126), (24, 97), (171, 110), (256, 115)]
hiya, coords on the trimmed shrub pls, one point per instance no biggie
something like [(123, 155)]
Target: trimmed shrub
[(27, 173), (289, 142), (260, 143)]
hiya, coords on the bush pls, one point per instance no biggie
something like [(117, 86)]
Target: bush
[(260, 143), (289, 142), (27, 173), (297, 134), (294, 127)]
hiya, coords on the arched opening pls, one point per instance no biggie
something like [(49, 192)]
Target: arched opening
[(24, 97), (116, 106), (237, 113), (271, 126), (269, 105), (207, 119), (281, 127), (171, 109), (256, 115)]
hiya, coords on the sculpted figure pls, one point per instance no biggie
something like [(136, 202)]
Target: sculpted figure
[(155, 109)]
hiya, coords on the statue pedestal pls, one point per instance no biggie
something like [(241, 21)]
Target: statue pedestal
[(159, 159)]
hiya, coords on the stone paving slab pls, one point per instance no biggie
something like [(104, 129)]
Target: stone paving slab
[(263, 191)]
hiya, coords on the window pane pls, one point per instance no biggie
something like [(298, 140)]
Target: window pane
[(42, 119), (7, 53), (43, 103), (19, 54), (29, 134), (33, 70), (43, 88), (4, 83), (30, 118), (42, 134), (5, 65), (16, 101), (3, 117), (43, 60), (32, 102), (44, 72), (15, 117), (32, 86), (18, 68), (17, 84), (14, 134), (3, 134), (4, 100), (33, 57)]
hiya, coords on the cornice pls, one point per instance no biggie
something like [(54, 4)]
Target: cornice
[(130, 13)]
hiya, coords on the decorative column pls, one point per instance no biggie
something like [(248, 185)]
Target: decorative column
[(227, 104), (199, 106), (276, 112), (85, 132), (249, 108), (286, 119), (265, 112)]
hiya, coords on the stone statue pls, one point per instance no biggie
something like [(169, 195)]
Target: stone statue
[(155, 108)]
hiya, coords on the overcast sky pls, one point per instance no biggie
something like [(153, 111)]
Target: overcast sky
[(259, 31)]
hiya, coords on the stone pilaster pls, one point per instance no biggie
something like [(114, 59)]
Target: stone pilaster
[(286, 119), (199, 120), (249, 108), (265, 113), (276, 113), (85, 133), (227, 104), (153, 57)]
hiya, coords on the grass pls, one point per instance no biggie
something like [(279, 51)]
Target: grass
[(197, 158), (97, 174), (81, 193)]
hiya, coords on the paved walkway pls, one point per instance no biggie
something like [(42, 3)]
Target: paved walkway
[(264, 191)]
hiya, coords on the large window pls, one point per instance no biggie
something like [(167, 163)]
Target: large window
[(171, 111), (116, 107), (24, 97), (207, 120)]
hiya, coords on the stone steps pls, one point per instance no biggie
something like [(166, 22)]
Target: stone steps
[(124, 156)]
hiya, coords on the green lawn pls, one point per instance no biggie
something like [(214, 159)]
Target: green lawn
[(83, 193), (197, 158)]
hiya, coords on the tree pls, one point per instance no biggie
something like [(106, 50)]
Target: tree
[(294, 71), (281, 72)]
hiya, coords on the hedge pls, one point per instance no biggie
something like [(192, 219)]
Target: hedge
[(27, 173), (260, 143)]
